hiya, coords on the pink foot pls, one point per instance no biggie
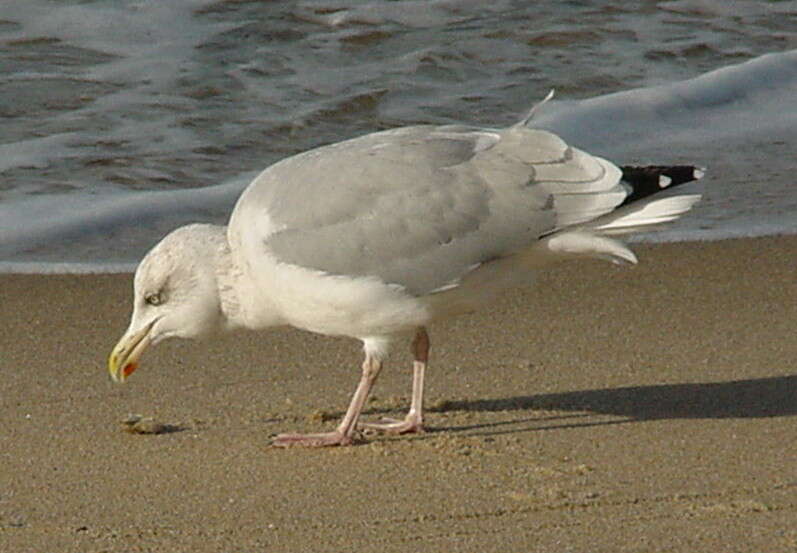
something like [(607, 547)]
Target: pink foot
[(411, 423), (320, 439)]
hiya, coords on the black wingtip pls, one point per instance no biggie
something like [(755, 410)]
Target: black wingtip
[(649, 179)]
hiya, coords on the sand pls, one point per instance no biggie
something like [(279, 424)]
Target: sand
[(651, 408)]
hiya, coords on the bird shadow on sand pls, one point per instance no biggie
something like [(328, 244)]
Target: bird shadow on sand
[(754, 398)]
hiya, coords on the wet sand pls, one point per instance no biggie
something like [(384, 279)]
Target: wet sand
[(641, 409)]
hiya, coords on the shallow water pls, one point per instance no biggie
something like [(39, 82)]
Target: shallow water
[(122, 120)]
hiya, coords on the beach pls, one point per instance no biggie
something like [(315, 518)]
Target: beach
[(645, 408)]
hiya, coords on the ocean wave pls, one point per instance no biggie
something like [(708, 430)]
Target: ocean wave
[(124, 120)]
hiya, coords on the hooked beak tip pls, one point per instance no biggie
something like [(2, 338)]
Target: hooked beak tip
[(119, 372), (124, 357)]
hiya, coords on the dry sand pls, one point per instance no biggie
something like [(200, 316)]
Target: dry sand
[(609, 409)]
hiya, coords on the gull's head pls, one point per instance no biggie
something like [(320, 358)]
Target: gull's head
[(175, 294)]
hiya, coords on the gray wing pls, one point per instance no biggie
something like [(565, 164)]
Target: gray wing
[(422, 206)]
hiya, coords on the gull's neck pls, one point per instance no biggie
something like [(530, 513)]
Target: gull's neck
[(227, 280), (240, 301)]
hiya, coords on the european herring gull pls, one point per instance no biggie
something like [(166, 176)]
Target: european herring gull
[(378, 236)]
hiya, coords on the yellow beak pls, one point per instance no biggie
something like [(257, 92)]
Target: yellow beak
[(124, 357)]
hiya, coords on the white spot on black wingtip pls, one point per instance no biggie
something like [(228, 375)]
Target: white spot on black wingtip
[(664, 181), (699, 172)]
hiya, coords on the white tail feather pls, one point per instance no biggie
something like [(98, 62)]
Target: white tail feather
[(580, 243), (644, 214), (590, 239)]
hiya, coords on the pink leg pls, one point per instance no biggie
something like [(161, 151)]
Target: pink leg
[(344, 433), (413, 422)]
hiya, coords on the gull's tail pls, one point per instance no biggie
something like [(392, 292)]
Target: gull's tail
[(650, 179), (639, 211), (640, 208)]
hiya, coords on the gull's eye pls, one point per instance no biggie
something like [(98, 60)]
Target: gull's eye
[(154, 298)]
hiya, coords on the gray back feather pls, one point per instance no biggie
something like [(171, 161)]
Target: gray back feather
[(422, 206)]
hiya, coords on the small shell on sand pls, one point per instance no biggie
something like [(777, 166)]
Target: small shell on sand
[(137, 424)]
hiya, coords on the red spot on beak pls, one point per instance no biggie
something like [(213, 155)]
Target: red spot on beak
[(129, 368)]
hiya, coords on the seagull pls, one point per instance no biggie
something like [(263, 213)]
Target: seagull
[(379, 236)]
